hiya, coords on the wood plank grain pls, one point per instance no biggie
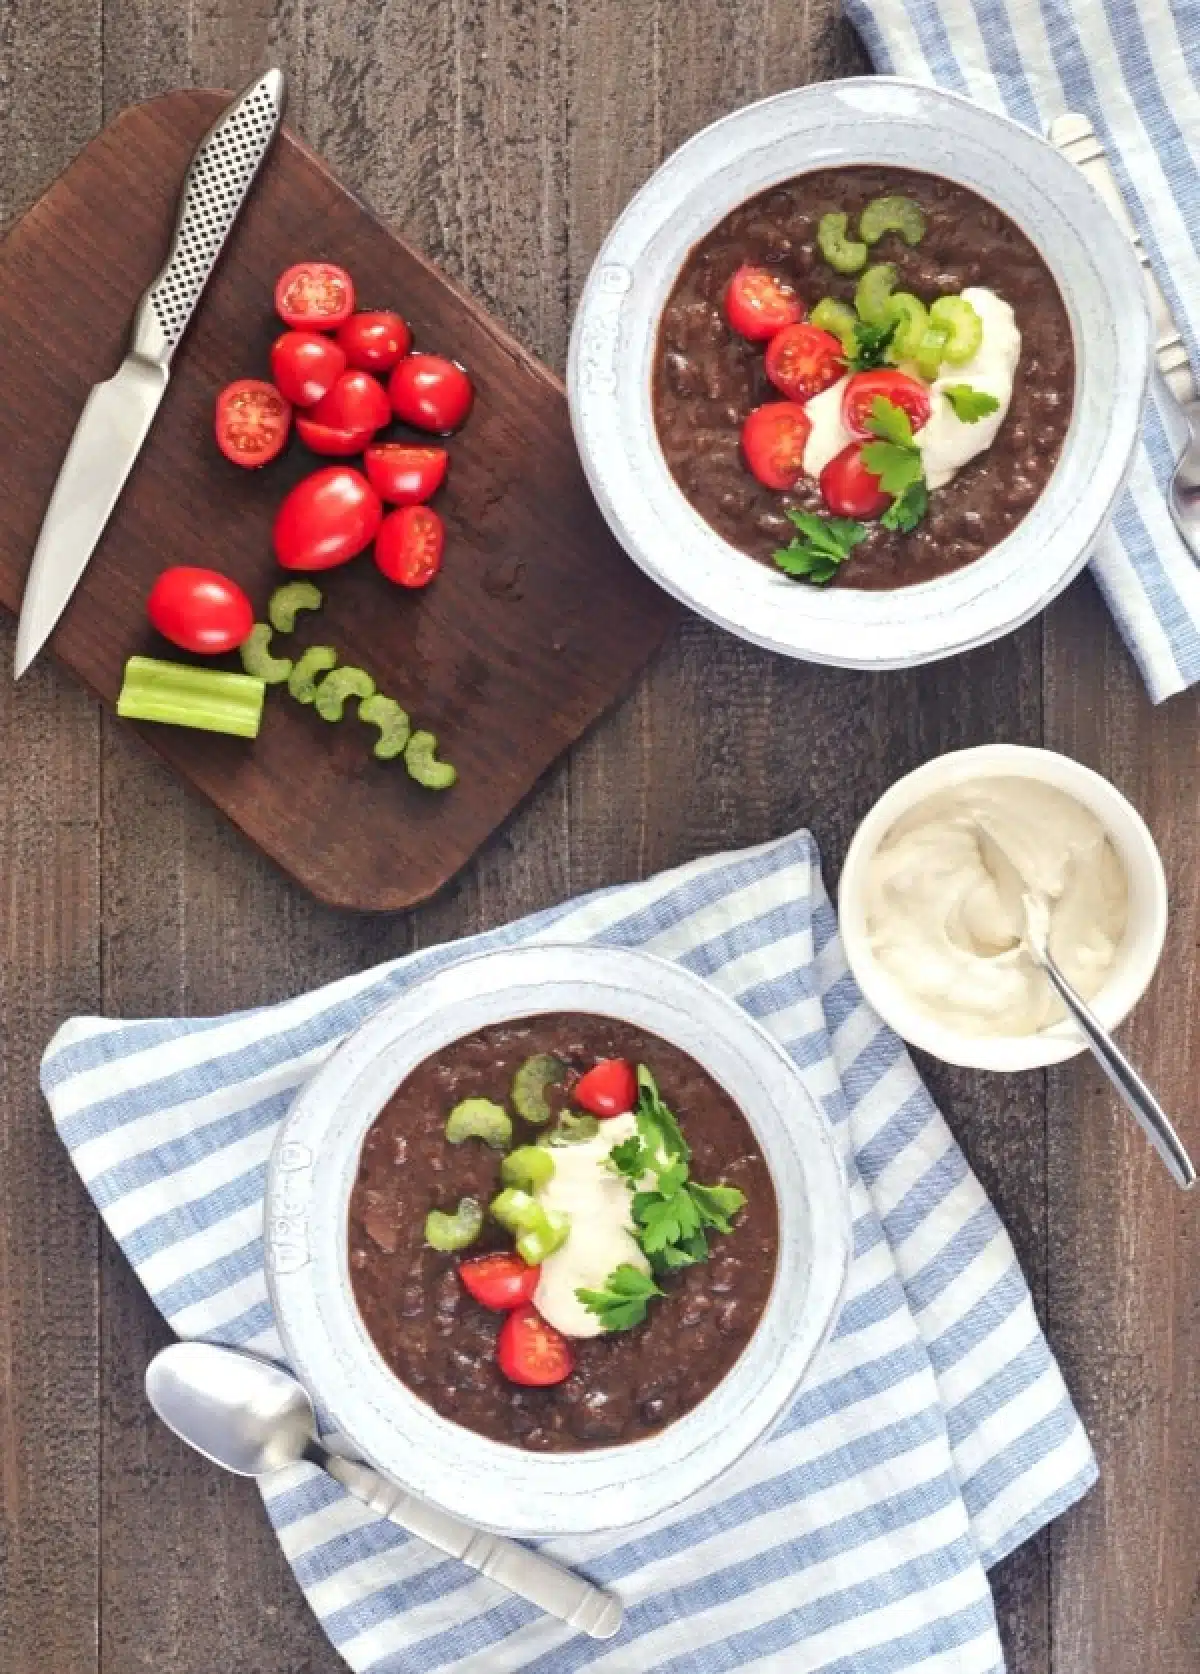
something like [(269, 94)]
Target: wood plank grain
[(1124, 1267), (49, 967)]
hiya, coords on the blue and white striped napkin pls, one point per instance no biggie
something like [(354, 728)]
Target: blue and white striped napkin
[(1133, 67), (932, 1435)]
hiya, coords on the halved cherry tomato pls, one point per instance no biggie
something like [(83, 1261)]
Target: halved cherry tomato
[(404, 474), (329, 440), (430, 392), (356, 402), (305, 366), (375, 342), (200, 610), (252, 422), (501, 1282), (608, 1089), (758, 303), (530, 1351), (326, 519), (849, 489), (897, 387), (802, 360), (774, 438), (314, 296), (408, 548)]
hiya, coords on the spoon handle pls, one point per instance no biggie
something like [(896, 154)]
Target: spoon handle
[(540, 1580), (1141, 1101)]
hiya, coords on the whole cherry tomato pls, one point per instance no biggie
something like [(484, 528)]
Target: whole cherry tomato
[(314, 296), (356, 402), (802, 360), (531, 1352), (374, 342), (865, 388), (305, 366), (758, 303), (608, 1089), (199, 610), (774, 438), (500, 1281), (408, 547), (326, 519), (849, 489), (405, 474), (252, 422), (431, 393)]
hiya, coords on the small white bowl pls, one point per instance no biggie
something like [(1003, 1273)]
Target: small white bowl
[(877, 119), (312, 1171), (1137, 956)]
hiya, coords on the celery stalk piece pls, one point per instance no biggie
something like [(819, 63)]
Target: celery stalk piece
[(258, 660), (287, 601), (420, 757), (178, 695)]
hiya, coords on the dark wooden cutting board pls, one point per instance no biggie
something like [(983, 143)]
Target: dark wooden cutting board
[(537, 622)]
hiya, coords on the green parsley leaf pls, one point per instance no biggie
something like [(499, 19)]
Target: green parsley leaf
[(629, 1157), (664, 1220), (827, 542), (656, 1121), (684, 1254), (897, 468), (890, 423), (622, 1303), (907, 509), (970, 405), (716, 1205), (871, 344)]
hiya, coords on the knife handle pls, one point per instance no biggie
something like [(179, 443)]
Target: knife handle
[(221, 172), (1075, 137)]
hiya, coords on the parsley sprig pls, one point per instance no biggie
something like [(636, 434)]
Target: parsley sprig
[(623, 1302), (970, 405), (871, 344), (823, 544), (672, 1213), (895, 459)]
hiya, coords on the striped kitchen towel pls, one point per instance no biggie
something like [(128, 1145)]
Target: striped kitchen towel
[(932, 1435), (1133, 67)]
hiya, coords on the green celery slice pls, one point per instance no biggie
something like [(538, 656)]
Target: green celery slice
[(342, 683), (530, 1083), (873, 293), (480, 1119), (257, 659), (392, 721), (543, 1237), (962, 326), (895, 214), (286, 603), (841, 252), (178, 695), (528, 1167), (912, 322), (302, 681), (420, 757), (454, 1231), (839, 319)]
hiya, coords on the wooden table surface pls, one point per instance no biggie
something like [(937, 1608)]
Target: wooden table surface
[(504, 136)]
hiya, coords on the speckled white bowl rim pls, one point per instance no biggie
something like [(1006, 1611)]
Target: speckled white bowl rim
[(312, 1169), (1137, 957), (866, 120)]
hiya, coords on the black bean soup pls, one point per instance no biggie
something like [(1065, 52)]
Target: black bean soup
[(626, 1384), (707, 378)]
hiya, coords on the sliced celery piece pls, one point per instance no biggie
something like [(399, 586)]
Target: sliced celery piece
[(392, 721), (420, 757), (302, 681), (178, 695), (257, 659), (343, 683), (286, 603)]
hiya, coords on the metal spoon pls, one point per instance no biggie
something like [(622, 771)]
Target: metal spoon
[(253, 1418), (1133, 1090)]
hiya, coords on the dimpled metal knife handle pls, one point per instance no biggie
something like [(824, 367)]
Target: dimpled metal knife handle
[(540, 1580), (220, 174)]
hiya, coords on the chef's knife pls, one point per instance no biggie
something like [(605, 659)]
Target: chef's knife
[(119, 412)]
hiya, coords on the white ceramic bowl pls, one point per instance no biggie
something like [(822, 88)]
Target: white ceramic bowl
[(312, 1171), (872, 120), (1137, 956)]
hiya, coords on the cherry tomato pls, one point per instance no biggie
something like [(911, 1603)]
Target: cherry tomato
[(802, 360), (305, 366), (403, 474), (329, 440), (608, 1089), (314, 296), (326, 519), (408, 548), (374, 342), (431, 393), (897, 387), (500, 1282), (530, 1351), (773, 441), (199, 610), (849, 489), (758, 303), (252, 422), (356, 402)]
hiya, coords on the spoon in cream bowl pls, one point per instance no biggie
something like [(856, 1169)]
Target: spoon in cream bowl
[(1145, 1108)]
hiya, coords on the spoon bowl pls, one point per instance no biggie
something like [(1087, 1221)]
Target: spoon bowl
[(243, 1413)]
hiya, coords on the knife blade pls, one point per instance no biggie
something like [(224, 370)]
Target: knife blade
[(119, 412)]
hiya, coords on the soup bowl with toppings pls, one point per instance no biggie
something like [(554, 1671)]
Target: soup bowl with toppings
[(554, 1238), (859, 373)]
